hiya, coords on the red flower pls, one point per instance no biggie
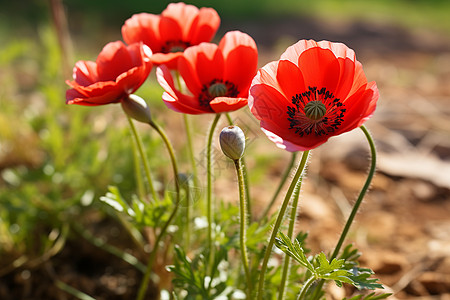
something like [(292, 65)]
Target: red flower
[(118, 72), (218, 77), (315, 91), (179, 26)]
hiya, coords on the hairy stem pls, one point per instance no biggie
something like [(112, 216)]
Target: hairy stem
[(355, 208), (278, 222), (290, 233), (209, 200), (243, 225)]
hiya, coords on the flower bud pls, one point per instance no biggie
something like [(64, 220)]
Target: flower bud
[(136, 108), (232, 142)]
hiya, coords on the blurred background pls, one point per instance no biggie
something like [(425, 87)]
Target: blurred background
[(56, 161)]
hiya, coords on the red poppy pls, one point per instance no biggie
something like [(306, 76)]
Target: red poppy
[(118, 72), (315, 91), (217, 77), (178, 27)]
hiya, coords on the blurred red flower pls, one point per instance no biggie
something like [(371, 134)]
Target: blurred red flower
[(178, 27), (118, 72), (315, 91), (217, 77)]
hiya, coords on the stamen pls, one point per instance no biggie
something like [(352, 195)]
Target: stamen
[(315, 112)]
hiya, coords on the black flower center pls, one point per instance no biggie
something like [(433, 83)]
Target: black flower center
[(217, 88), (175, 46), (315, 112)]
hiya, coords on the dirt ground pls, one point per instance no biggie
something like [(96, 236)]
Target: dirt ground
[(403, 228)]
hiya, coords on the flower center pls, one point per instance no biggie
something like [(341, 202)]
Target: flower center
[(315, 112), (174, 46), (217, 88)]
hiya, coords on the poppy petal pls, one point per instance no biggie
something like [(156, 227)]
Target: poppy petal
[(176, 20), (132, 79), (226, 104), (268, 75), (176, 105), (188, 73), (268, 103), (106, 96), (205, 26), (241, 59), (281, 143), (113, 61), (165, 79), (207, 61), (144, 28), (293, 52), (346, 78), (85, 72), (339, 50), (290, 79), (168, 59), (320, 68)]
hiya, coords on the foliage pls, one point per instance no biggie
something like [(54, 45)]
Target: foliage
[(342, 270)]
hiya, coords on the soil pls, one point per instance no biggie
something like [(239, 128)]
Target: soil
[(403, 228)]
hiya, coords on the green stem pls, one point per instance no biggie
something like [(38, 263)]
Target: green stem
[(187, 126), (243, 226), (188, 217), (209, 173), (305, 287), (290, 233), (358, 202), (278, 222), (244, 170), (280, 186), (137, 170), (144, 158), (145, 280)]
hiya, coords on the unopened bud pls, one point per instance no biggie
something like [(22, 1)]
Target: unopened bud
[(232, 142), (136, 108)]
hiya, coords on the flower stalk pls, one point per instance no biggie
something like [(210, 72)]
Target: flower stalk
[(297, 177), (209, 196), (290, 233), (144, 159), (357, 204), (243, 225)]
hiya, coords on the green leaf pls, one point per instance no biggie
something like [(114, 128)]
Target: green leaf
[(294, 250), (114, 199), (362, 279)]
